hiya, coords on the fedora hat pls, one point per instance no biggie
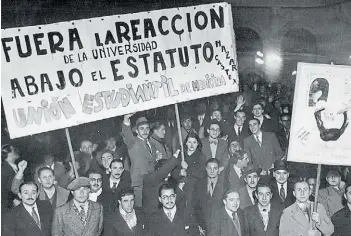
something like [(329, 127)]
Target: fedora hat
[(140, 121), (251, 169), (79, 182), (280, 165)]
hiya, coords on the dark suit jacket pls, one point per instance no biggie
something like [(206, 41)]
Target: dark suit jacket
[(221, 152), (204, 205), (67, 222), (205, 122), (222, 224), (254, 222), (19, 222), (152, 183), (245, 199), (265, 155), (160, 225), (109, 198), (232, 135), (232, 179), (7, 197), (269, 125), (289, 199), (283, 140), (115, 225)]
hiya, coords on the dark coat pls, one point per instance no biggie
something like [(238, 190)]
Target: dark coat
[(7, 197), (115, 225), (221, 151), (289, 199), (232, 180), (160, 225), (19, 222), (109, 198), (232, 135), (222, 225), (254, 222), (245, 199), (283, 138), (267, 153), (342, 222), (204, 205), (152, 183)]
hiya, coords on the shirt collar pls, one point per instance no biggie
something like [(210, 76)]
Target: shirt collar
[(29, 208), (285, 185), (261, 208), (98, 193), (78, 204), (172, 211), (237, 169), (212, 180), (114, 181), (230, 213)]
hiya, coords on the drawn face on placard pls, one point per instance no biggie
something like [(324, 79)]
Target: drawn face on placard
[(319, 91)]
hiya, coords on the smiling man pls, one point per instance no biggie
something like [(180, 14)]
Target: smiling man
[(31, 217)]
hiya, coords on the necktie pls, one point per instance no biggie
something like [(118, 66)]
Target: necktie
[(114, 186), (258, 140), (265, 219), (147, 146), (305, 211), (239, 131), (282, 192), (212, 188), (35, 217), (236, 222), (82, 214), (169, 215), (215, 142)]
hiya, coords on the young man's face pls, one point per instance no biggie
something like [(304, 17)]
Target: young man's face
[(95, 182), (46, 178), (127, 203), (143, 131), (240, 118), (232, 202), (254, 126), (242, 163), (212, 170), (187, 124), (333, 180), (81, 195), (264, 196), (117, 170), (252, 179), (214, 131), (28, 194), (87, 147), (234, 147), (281, 176), (286, 121), (168, 198), (302, 191), (106, 159), (257, 110), (217, 115)]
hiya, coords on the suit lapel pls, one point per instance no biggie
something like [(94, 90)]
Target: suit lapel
[(91, 211), (299, 217), (229, 222), (28, 218), (273, 217), (257, 219), (207, 148), (75, 218)]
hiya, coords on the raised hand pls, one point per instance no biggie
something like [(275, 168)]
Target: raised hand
[(22, 165)]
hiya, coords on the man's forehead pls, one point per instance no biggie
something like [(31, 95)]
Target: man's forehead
[(86, 143)]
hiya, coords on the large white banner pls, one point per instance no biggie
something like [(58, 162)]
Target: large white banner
[(320, 129), (69, 73)]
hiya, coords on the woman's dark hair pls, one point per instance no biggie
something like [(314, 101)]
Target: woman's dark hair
[(319, 84), (193, 135)]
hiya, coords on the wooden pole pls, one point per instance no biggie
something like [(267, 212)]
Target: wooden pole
[(71, 152), (318, 182), (179, 131)]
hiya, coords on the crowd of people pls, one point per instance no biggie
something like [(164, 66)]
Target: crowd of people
[(232, 178)]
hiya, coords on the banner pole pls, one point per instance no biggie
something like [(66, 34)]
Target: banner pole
[(318, 182), (179, 131), (71, 152)]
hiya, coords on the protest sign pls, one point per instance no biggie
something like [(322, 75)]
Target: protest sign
[(64, 74), (320, 131)]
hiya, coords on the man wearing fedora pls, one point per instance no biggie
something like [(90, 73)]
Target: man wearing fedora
[(251, 177), (282, 188), (80, 216), (142, 154)]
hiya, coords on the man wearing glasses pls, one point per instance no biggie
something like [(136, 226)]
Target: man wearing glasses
[(213, 146), (169, 220)]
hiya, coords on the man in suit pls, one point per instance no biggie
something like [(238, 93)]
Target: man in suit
[(297, 219), (155, 179), (331, 197), (341, 219), (31, 217), (201, 120), (283, 133), (228, 220), (281, 187), (96, 180), (267, 125), (61, 177), (80, 216), (235, 170), (142, 154), (126, 221), (169, 220), (47, 189), (89, 161), (208, 194), (239, 130), (213, 146), (251, 177), (112, 186), (262, 147), (263, 218)]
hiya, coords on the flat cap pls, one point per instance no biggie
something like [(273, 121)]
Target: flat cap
[(79, 182)]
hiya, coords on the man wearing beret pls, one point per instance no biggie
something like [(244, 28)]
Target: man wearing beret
[(80, 216)]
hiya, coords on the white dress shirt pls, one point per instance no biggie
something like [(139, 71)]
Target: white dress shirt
[(236, 128), (285, 188), (238, 171), (93, 196), (213, 148), (114, 181), (172, 211), (250, 191), (259, 137)]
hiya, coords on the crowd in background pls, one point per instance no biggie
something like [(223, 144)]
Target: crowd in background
[(234, 180)]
